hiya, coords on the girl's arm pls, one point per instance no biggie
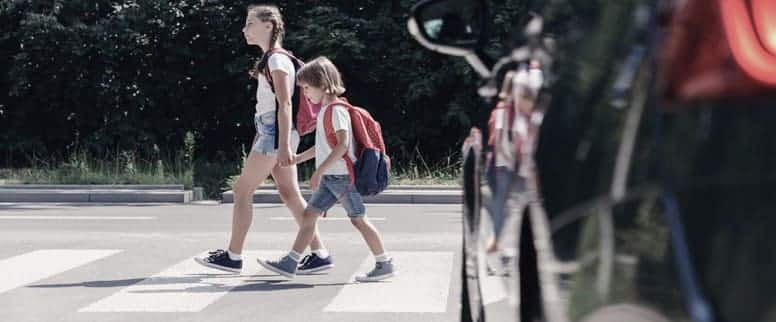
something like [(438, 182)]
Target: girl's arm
[(283, 94), (304, 156)]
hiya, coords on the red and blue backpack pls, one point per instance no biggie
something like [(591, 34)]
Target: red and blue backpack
[(371, 172)]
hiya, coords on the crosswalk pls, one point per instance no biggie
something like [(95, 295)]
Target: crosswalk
[(184, 287), (423, 284), (37, 265)]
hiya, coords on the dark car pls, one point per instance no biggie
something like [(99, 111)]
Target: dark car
[(653, 196)]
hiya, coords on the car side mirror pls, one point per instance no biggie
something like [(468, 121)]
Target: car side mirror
[(452, 27)]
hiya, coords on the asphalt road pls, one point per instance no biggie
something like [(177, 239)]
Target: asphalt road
[(134, 263)]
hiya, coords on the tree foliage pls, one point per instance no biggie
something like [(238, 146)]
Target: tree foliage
[(109, 76)]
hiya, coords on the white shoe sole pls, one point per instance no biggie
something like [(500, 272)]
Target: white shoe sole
[(275, 269), (218, 267), (314, 270), (376, 278)]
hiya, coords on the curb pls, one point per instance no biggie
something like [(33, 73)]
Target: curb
[(45, 193), (90, 187), (392, 187), (96, 193)]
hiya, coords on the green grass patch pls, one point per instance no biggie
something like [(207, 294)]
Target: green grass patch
[(414, 173), (121, 167), (82, 169), (406, 176), (418, 174)]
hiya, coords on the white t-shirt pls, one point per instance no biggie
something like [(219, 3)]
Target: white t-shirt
[(521, 130), (533, 78), (340, 119), (265, 98)]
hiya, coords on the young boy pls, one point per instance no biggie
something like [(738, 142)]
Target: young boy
[(331, 181)]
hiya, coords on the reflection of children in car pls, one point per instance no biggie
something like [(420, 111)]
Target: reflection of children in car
[(513, 126)]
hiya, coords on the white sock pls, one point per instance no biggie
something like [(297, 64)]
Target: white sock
[(234, 256), (322, 253), (382, 257), (295, 256)]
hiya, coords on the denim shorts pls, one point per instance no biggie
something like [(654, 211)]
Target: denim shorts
[(335, 188), (265, 135)]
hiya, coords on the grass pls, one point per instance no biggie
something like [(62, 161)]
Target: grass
[(215, 176), (98, 176), (82, 169), (411, 170), (123, 167), (407, 176), (414, 174), (416, 171)]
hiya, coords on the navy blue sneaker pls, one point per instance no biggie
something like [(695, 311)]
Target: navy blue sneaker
[(312, 263), (219, 259)]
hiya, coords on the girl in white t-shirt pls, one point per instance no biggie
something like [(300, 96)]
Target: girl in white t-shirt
[(516, 123), (264, 28), (503, 159)]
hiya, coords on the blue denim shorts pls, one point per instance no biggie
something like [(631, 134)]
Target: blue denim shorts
[(265, 134), (335, 188)]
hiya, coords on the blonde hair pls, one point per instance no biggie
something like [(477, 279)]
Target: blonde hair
[(267, 13), (322, 73)]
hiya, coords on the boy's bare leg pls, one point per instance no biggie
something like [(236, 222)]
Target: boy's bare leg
[(384, 266), (370, 234)]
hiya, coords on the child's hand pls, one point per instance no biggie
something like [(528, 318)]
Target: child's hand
[(293, 160), (284, 157), (474, 140), (297, 159), (315, 181)]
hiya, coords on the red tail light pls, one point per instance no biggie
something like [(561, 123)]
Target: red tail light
[(719, 49), (765, 22), (752, 36)]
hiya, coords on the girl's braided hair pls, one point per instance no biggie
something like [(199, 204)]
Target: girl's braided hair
[(267, 13)]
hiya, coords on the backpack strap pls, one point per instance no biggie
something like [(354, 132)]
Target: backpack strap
[(331, 137), (265, 63)]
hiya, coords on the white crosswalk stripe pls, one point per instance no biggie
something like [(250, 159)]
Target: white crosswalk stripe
[(184, 287), (48, 218), (421, 286), (493, 289), (40, 264), (326, 219)]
